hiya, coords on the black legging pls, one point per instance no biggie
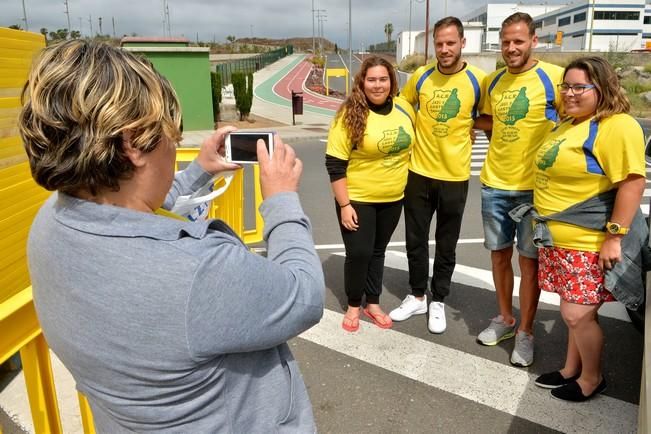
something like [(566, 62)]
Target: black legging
[(365, 249)]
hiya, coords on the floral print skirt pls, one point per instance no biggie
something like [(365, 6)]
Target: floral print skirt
[(574, 274)]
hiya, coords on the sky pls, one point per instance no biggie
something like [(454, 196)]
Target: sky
[(216, 19)]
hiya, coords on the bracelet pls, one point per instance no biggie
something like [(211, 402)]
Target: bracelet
[(344, 206)]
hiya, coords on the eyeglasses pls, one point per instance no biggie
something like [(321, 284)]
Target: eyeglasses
[(577, 89)]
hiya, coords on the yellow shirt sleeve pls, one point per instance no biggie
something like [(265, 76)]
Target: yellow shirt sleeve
[(339, 144), (620, 147)]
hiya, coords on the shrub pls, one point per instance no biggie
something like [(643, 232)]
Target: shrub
[(318, 61), (647, 67), (635, 87), (243, 92), (216, 84), (411, 62)]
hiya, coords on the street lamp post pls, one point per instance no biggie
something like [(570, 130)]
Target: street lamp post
[(426, 28), (25, 16), (409, 51), (350, 44), (313, 41)]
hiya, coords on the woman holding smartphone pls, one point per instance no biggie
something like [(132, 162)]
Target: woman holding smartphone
[(367, 157)]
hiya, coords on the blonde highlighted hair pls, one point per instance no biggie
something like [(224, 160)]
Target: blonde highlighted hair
[(599, 72), (354, 110), (81, 101)]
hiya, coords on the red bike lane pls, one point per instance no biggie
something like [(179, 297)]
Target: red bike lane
[(294, 80)]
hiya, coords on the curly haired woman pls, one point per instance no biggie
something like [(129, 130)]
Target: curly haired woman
[(367, 157)]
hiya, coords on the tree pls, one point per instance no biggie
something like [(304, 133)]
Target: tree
[(60, 34), (216, 83), (388, 30), (75, 34), (243, 92), (231, 39)]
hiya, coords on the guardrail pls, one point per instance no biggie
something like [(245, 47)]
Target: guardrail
[(20, 199)]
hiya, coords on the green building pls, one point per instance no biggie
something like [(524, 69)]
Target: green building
[(187, 68)]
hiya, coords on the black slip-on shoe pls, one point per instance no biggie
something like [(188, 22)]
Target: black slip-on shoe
[(552, 380), (572, 392)]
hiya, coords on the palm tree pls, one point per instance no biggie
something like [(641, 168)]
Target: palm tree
[(388, 30), (231, 39)]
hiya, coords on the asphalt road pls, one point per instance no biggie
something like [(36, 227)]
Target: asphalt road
[(408, 380)]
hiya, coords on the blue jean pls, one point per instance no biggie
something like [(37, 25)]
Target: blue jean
[(500, 229)]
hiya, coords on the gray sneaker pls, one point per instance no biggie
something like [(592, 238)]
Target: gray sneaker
[(522, 354), (496, 332)]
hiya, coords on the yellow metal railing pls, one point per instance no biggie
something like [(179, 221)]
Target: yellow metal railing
[(231, 206), (20, 199)]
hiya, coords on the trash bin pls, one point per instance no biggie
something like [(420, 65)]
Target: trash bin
[(297, 103)]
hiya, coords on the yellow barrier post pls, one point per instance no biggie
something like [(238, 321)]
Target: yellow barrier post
[(37, 368), (336, 72), (86, 415)]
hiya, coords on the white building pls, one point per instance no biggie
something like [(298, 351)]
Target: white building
[(406, 44), (414, 42), (491, 16), (596, 25)]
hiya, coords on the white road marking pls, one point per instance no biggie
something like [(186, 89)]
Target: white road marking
[(503, 388)]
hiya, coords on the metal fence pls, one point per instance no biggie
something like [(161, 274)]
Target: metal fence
[(251, 64)]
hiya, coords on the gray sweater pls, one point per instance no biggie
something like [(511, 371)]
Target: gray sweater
[(174, 326)]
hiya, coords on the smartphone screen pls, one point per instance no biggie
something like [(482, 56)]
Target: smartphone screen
[(243, 146)]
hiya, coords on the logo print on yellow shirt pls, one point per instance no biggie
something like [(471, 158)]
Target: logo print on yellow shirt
[(443, 106), (392, 143), (513, 106), (547, 154)]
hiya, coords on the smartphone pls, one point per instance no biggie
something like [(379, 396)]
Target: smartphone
[(241, 147)]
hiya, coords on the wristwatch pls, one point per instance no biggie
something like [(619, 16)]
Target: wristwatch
[(616, 229)]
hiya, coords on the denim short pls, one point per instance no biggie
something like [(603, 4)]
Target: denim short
[(499, 228)]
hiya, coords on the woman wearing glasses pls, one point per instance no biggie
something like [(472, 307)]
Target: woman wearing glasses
[(590, 176)]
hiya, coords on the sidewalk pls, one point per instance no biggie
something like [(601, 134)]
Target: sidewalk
[(15, 414), (311, 125)]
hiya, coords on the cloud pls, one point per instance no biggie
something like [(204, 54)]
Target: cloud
[(215, 19)]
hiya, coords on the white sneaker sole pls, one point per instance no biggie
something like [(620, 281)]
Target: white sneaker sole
[(418, 312)]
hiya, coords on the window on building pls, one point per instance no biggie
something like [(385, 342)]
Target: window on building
[(579, 17), (602, 33), (564, 21), (549, 21), (617, 15), (647, 19), (538, 24)]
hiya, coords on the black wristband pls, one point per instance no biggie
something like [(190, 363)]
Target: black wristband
[(344, 206)]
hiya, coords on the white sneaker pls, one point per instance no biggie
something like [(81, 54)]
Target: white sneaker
[(409, 306), (436, 322)]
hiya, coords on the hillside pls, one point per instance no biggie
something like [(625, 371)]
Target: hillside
[(299, 44)]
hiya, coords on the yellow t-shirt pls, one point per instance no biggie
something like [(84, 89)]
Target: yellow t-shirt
[(524, 109), (447, 107), (377, 169), (577, 162)]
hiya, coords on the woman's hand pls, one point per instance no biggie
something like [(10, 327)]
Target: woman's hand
[(281, 172), (349, 218), (611, 252), (211, 155)]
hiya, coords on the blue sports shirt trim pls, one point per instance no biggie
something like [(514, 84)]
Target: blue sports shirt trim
[(404, 112), (550, 109), (475, 86), (423, 77), (592, 165), (495, 80)]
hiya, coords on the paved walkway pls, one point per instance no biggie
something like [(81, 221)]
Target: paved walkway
[(272, 100)]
